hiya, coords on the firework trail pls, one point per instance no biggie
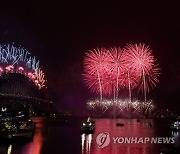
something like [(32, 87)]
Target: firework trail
[(130, 78), (116, 60)]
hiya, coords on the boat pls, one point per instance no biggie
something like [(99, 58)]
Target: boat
[(175, 125), (149, 124), (119, 124), (88, 127), (16, 123), (137, 120)]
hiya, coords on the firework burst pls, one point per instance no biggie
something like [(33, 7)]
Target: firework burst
[(140, 58), (96, 68), (18, 60), (40, 78), (107, 71)]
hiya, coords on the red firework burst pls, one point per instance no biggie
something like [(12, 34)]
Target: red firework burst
[(96, 61), (117, 64), (140, 58), (96, 69), (108, 70)]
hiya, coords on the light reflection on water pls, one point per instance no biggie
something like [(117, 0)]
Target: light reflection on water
[(176, 134), (35, 146), (86, 141), (131, 128), (56, 137), (9, 149)]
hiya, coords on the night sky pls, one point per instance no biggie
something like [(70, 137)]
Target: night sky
[(59, 33)]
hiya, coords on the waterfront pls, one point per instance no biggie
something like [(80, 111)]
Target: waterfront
[(53, 136)]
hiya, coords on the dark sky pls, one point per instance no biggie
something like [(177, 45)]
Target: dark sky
[(59, 33)]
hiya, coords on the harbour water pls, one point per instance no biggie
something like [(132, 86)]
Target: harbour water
[(54, 136)]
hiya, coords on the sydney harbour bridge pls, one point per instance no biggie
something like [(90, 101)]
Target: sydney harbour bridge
[(22, 81)]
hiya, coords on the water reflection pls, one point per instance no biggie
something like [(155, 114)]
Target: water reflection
[(3, 149), (9, 149), (130, 129), (86, 141), (35, 146), (55, 137), (176, 135)]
